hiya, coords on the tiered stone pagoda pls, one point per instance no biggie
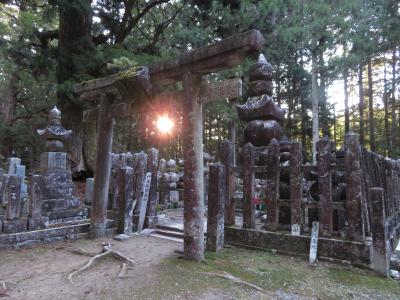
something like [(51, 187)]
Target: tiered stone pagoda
[(260, 111), (58, 202)]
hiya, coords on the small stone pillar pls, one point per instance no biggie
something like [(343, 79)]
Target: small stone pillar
[(248, 186), (216, 207), (126, 203), (227, 157), (380, 253), (354, 195), (272, 185), (324, 149), (36, 220), (152, 167), (89, 191)]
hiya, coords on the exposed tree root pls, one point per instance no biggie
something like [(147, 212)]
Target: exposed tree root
[(235, 279), (107, 250)]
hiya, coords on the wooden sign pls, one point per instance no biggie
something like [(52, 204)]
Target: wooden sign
[(143, 203), (314, 242)]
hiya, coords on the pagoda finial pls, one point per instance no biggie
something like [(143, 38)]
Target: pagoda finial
[(55, 116)]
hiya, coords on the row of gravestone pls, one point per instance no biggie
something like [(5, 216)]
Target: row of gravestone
[(169, 179)]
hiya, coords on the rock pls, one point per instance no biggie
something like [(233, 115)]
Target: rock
[(121, 237)]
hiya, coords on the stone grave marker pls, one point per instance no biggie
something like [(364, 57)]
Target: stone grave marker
[(314, 242), (143, 203), (296, 229)]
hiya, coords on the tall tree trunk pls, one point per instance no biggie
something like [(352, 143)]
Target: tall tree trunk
[(393, 138), (76, 54), (361, 104), (371, 108), (9, 102), (322, 97), (346, 101), (386, 111), (315, 116)]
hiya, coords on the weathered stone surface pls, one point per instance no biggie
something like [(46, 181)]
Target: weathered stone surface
[(354, 193), (38, 223), (272, 186), (328, 248), (296, 183), (193, 181), (261, 132), (54, 133), (380, 253), (35, 196), (14, 203), (216, 207), (227, 153), (262, 108), (248, 186), (15, 225), (126, 202), (103, 169), (152, 167), (143, 201), (89, 190), (139, 171), (53, 160), (3, 188)]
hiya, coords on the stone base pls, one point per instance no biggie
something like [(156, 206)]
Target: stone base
[(174, 196), (14, 226), (60, 205), (38, 223), (53, 160)]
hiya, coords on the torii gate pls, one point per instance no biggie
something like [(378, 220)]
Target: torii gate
[(189, 69)]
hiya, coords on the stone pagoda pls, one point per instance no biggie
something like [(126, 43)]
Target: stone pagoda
[(58, 202), (260, 112)]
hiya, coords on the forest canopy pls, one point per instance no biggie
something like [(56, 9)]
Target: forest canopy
[(341, 56)]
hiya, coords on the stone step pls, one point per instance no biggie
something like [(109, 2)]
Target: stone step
[(169, 228), (164, 237), (169, 233)]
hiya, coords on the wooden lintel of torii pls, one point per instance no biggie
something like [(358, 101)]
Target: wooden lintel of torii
[(229, 89), (226, 54)]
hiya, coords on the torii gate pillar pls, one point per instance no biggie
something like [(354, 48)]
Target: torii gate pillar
[(193, 180)]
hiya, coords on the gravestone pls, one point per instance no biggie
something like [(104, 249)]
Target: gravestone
[(144, 200), (14, 221), (58, 202), (126, 202)]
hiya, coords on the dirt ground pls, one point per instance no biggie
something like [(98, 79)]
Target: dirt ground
[(159, 273)]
